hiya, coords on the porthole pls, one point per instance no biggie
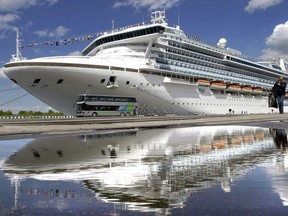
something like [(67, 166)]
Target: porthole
[(36, 81), (60, 81)]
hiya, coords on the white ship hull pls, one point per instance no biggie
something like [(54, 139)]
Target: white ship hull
[(155, 94)]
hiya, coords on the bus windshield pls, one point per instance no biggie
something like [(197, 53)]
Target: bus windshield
[(101, 105)]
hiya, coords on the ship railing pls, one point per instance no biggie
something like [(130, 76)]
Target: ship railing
[(213, 47), (125, 27), (211, 76)]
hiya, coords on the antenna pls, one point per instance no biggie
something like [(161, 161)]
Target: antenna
[(113, 25), (18, 55), (178, 17)]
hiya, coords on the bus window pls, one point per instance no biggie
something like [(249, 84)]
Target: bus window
[(130, 99)]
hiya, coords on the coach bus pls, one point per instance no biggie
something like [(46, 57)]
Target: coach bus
[(101, 105)]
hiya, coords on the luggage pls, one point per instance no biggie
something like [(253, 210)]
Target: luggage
[(272, 101)]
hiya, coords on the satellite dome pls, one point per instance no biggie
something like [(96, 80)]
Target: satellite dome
[(222, 43)]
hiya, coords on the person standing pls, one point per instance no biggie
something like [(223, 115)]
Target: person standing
[(279, 90)]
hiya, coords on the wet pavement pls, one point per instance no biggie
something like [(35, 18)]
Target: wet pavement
[(199, 170), (34, 126)]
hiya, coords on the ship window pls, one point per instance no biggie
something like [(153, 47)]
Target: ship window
[(127, 83), (117, 68), (102, 80), (36, 81), (131, 70), (151, 30), (60, 81)]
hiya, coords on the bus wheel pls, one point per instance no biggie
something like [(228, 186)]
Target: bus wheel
[(128, 114), (122, 114), (94, 114)]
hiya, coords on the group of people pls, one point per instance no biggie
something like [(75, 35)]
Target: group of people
[(279, 91)]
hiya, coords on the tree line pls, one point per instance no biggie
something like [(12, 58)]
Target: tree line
[(24, 113)]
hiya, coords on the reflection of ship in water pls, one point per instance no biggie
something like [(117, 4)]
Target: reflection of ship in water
[(147, 170)]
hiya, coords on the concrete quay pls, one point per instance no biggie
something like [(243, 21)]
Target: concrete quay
[(35, 127)]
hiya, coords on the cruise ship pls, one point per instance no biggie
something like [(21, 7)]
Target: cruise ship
[(167, 70)]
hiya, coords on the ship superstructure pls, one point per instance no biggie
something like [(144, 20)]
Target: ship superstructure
[(169, 71)]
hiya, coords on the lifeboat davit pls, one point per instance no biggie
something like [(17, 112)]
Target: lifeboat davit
[(203, 82), (218, 85)]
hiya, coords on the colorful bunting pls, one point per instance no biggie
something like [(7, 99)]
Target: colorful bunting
[(64, 41)]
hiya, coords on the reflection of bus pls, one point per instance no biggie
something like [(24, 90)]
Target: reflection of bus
[(101, 105)]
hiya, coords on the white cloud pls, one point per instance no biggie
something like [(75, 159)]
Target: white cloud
[(6, 22), (150, 4), (12, 5), (60, 31), (52, 2), (277, 43), (254, 5), (9, 12), (76, 53), (15, 5), (41, 33)]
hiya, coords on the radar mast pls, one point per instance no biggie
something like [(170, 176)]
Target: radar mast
[(158, 17), (18, 55)]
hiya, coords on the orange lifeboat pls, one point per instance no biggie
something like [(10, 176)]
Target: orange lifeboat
[(203, 82), (234, 87), (218, 85), (259, 136), (219, 143), (236, 140), (246, 89), (258, 90), (248, 138)]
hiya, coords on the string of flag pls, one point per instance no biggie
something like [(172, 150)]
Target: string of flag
[(64, 41)]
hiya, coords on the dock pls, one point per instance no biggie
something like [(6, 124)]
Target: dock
[(37, 127)]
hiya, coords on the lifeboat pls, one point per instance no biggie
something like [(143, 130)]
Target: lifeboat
[(246, 89), (218, 85), (259, 136), (236, 140), (219, 143), (248, 138), (258, 90), (203, 82), (234, 87)]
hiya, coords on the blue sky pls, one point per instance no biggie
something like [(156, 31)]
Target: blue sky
[(257, 28)]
